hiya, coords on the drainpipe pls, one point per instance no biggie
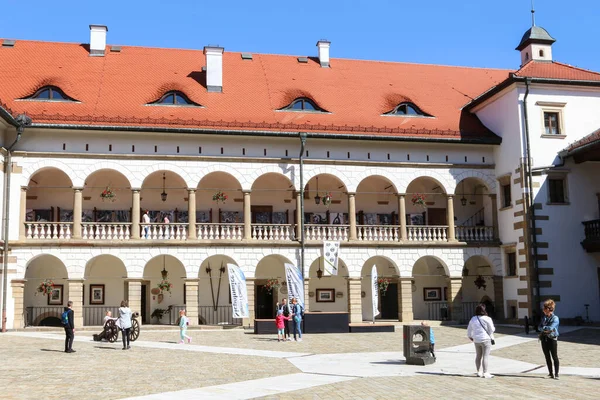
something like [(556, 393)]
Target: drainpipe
[(22, 121), (301, 222), (531, 213)]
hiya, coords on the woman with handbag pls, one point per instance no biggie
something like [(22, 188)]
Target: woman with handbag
[(549, 337), (480, 331)]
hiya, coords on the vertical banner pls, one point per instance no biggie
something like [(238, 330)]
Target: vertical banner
[(239, 291), (331, 252), (294, 283), (375, 290)]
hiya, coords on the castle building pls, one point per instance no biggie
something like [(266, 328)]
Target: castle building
[(143, 172)]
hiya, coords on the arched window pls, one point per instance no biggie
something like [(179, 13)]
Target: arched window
[(174, 98), (526, 56), (50, 93), (541, 53), (407, 110), (303, 104)]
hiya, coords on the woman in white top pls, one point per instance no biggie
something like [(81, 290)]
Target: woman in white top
[(480, 331), (125, 323)]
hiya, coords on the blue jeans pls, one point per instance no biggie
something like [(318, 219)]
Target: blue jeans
[(297, 323)]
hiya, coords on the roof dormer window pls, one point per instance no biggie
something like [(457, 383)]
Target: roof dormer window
[(407, 110), (302, 104), (50, 93), (175, 98)]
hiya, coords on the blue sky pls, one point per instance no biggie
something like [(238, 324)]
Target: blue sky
[(480, 33)]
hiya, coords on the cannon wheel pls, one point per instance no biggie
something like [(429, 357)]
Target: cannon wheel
[(112, 332), (134, 333)]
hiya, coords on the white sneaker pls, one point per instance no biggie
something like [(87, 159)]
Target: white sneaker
[(479, 374), (488, 375), (300, 339)]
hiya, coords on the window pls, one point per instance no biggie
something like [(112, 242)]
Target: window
[(541, 53), (175, 98), (552, 123), (303, 104), (505, 191), (407, 110), (506, 196), (557, 190), (50, 93), (511, 264)]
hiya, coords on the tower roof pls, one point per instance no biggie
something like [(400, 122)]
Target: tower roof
[(535, 34)]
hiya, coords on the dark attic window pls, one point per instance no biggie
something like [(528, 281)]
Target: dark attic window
[(407, 110), (50, 93), (175, 98), (303, 104)]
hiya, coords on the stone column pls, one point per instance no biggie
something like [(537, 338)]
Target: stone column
[(354, 300), (18, 292), (247, 215), (76, 296), (251, 288), (402, 216), (352, 214), (306, 296), (455, 299), (494, 199), (77, 210), (499, 297), (22, 213), (191, 300), (135, 214), (451, 234), (405, 303), (298, 216), (135, 297), (192, 214)]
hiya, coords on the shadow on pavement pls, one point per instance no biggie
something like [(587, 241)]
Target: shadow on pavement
[(390, 362), (58, 351)]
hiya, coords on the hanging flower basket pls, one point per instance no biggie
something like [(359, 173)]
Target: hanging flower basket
[(271, 284), (165, 285), (45, 287), (108, 195), (418, 199), (219, 197), (327, 199), (383, 284)]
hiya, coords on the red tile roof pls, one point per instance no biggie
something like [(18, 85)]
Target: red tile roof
[(591, 139), (115, 90), (556, 70)]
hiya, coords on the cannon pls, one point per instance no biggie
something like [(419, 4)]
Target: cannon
[(111, 330)]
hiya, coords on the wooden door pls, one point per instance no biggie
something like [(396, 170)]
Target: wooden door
[(437, 216), (261, 214)]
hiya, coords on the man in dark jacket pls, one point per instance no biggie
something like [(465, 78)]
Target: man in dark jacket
[(287, 311), (69, 328)]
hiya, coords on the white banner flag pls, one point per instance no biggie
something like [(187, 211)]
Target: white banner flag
[(331, 252), (294, 284), (375, 290), (239, 291)]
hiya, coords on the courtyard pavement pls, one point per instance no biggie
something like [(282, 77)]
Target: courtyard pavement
[(233, 364)]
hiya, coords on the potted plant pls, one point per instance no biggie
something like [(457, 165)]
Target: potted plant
[(108, 195), (383, 285), (45, 287), (327, 199), (219, 197), (418, 199), (271, 284), (165, 285)]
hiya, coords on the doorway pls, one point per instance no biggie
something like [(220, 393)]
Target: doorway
[(264, 303), (261, 214), (437, 216), (389, 302), (144, 302)]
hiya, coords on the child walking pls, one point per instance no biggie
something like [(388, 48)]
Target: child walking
[(184, 321), (280, 321)]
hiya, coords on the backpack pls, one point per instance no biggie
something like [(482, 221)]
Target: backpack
[(64, 318)]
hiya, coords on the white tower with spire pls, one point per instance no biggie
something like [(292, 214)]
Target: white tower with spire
[(536, 43)]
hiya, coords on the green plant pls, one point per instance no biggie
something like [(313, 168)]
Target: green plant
[(165, 285), (45, 287)]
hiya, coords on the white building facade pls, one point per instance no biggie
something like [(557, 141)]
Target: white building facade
[(417, 187)]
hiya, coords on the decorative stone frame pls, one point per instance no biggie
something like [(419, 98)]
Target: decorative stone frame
[(505, 180), (552, 107)]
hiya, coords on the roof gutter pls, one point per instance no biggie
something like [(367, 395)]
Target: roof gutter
[(286, 134), (8, 117)]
